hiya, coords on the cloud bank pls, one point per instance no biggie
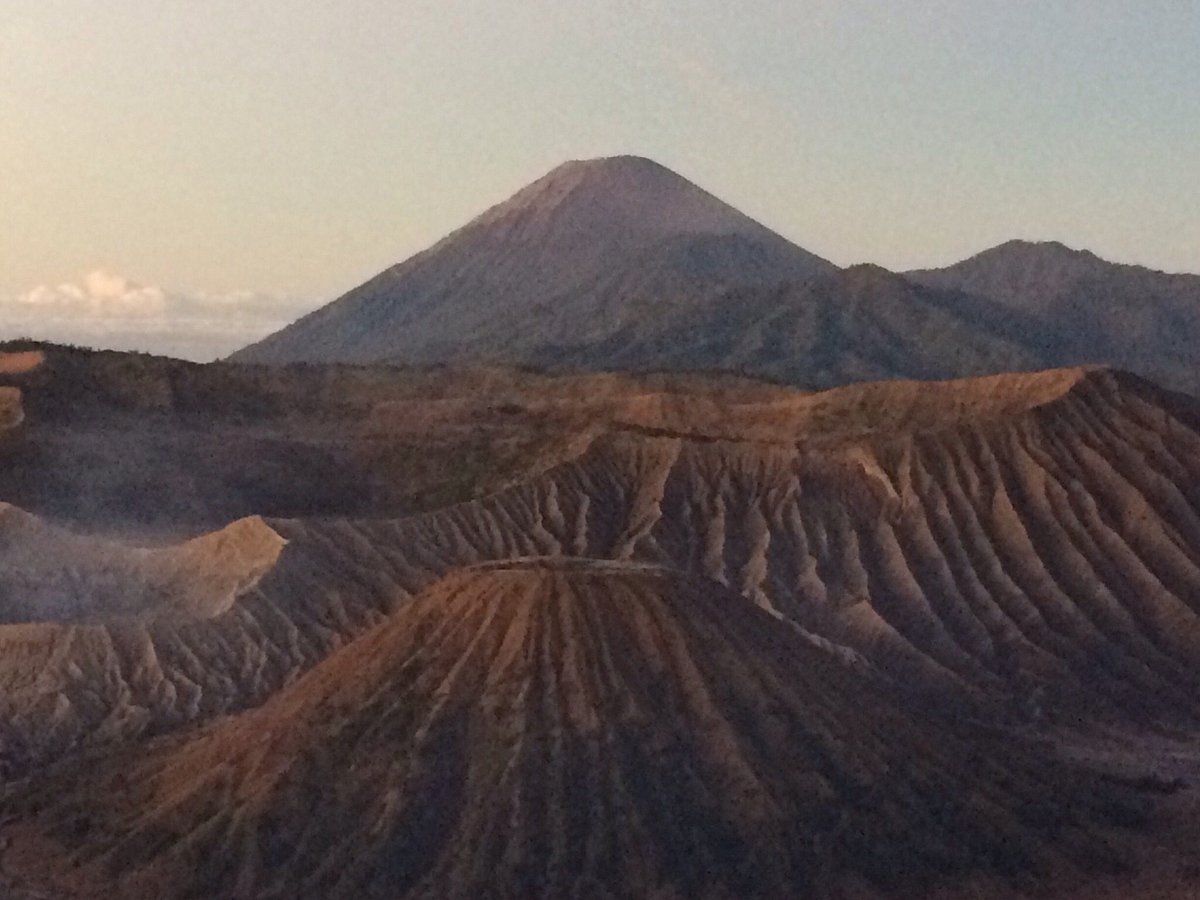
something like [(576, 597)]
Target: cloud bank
[(107, 310)]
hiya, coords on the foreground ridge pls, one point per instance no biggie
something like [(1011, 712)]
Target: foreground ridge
[(548, 728)]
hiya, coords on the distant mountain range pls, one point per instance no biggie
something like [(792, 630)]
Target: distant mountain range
[(1085, 309), (621, 263)]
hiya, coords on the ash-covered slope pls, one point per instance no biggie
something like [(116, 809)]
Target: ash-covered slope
[(1085, 309), (1022, 547), (1025, 543), (562, 728), (50, 574), (536, 271)]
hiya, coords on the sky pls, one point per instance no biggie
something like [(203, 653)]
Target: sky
[(187, 176)]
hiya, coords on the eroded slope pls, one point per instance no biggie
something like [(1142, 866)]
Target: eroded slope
[(1029, 552), (557, 728)]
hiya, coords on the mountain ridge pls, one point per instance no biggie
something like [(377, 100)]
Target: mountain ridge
[(1087, 309), (1049, 248), (620, 263)]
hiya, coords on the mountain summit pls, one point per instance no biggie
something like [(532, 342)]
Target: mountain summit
[(1085, 309), (591, 246), (1028, 273), (647, 200)]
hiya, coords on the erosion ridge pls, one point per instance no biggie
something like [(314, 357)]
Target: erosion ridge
[(559, 728), (857, 411), (1038, 566), (137, 446)]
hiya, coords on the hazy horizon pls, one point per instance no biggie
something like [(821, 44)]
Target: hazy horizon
[(274, 156)]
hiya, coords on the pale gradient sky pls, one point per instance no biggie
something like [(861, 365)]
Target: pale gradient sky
[(296, 148)]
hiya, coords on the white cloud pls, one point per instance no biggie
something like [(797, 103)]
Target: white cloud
[(108, 310)]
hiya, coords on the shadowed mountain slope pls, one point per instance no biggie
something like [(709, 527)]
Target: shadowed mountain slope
[(559, 728), (553, 255), (1086, 309), (859, 324)]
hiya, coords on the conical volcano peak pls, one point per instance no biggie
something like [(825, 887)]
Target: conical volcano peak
[(576, 257), (622, 165), (634, 173), (622, 199)]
